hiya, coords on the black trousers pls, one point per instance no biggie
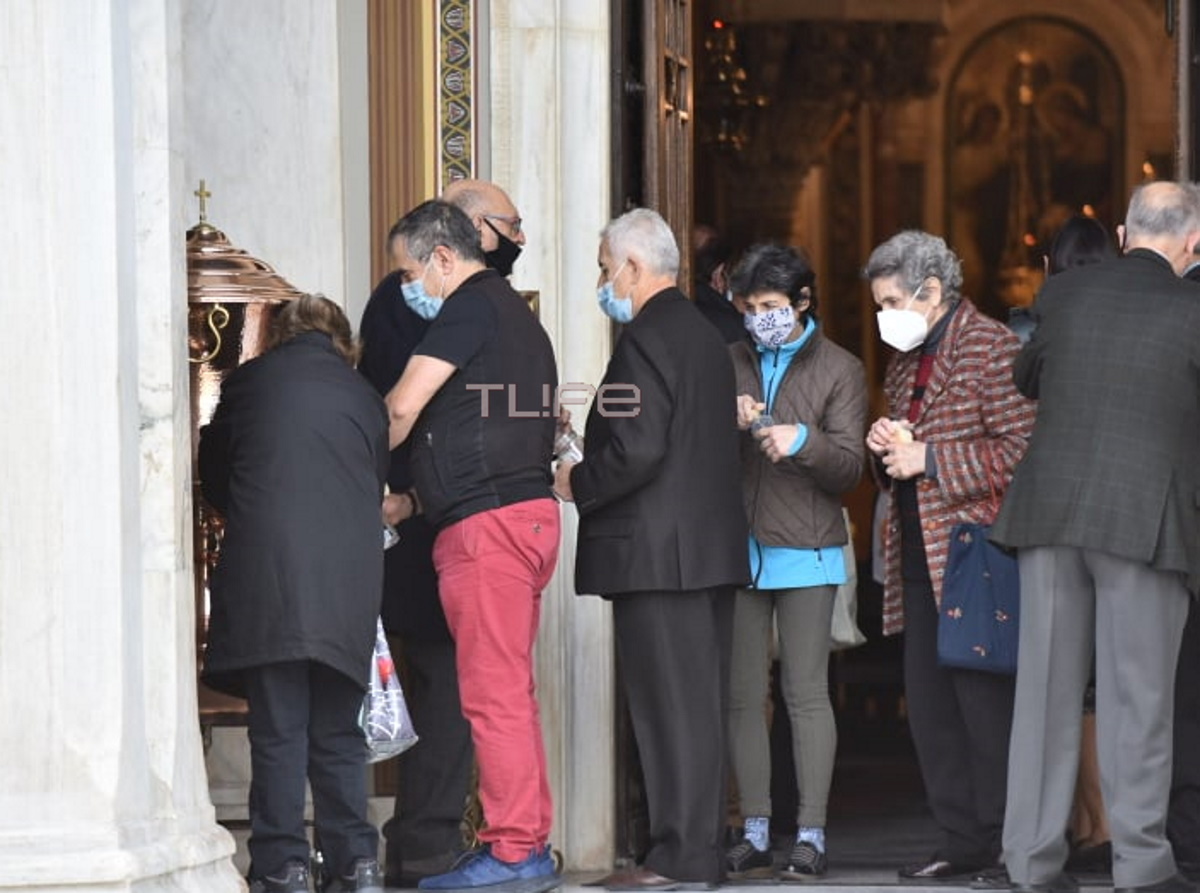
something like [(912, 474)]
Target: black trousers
[(435, 774), (674, 649), (960, 722), (1183, 816), (303, 722)]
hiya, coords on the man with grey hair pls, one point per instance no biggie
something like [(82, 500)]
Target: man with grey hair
[(662, 535), (1105, 514)]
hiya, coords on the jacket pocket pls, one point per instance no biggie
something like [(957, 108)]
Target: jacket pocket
[(608, 527)]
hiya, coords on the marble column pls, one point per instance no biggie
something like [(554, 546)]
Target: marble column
[(548, 145), (102, 783)]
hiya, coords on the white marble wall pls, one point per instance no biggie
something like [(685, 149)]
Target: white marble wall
[(102, 784), (548, 145), (263, 120)]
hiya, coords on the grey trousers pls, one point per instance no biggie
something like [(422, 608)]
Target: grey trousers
[(803, 617), (1074, 600)]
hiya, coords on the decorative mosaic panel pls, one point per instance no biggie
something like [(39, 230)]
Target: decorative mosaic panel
[(456, 143)]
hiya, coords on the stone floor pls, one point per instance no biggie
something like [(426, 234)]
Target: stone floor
[(877, 819)]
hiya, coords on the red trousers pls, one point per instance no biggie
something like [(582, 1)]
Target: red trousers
[(492, 568)]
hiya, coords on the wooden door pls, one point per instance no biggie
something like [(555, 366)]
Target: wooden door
[(653, 128)]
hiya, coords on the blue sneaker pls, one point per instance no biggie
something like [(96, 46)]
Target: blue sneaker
[(479, 869)]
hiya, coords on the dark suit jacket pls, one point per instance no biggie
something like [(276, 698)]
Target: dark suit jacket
[(294, 458), (1111, 466), (659, 494)]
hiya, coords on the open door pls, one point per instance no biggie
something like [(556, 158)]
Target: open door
[(653, 128)]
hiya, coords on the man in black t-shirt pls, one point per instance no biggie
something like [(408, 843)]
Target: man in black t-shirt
[(470, 402), (424, 835)]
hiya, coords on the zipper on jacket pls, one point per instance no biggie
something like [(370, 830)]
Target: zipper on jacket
[(768, 398), (758, 478)]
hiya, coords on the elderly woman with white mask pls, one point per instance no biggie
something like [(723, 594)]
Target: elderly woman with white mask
[(955, 430)]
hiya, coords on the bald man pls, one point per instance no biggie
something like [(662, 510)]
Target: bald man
[(1103, 511), (496, 218), (424, 836)]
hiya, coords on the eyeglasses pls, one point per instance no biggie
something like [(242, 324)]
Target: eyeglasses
[(514, 223)]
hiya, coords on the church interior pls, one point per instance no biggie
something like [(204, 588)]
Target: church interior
[(310, 127)]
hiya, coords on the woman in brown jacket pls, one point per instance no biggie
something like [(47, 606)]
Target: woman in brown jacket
[(802, 402), (955, 430)]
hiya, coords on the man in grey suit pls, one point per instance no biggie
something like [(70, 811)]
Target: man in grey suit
[(663, 535), (1105, 510)]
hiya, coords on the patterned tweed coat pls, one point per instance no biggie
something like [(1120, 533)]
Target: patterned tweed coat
[(976, 424)]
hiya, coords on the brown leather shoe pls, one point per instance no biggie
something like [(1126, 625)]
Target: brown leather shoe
[(639, 879)]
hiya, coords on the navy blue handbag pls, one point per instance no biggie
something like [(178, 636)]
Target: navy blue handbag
[(979, 623)]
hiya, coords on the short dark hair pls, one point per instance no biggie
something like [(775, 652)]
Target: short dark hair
[(782, 268), (1081, 240), (711, 253), (435, 223), (314, 313)]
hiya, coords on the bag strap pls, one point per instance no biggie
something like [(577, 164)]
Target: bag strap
[(993, 499)]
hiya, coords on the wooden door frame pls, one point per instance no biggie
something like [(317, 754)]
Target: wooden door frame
[(402, 72)]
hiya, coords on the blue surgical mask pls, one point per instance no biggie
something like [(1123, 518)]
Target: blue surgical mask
[(617, 309), (420, 301), (771, 328)]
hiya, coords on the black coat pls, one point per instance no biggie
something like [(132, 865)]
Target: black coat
[(295, 458), (721, 313), (659, 495), (411, 608), (1115, 365)]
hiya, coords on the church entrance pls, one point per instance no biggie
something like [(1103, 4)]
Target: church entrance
[(833, 126)]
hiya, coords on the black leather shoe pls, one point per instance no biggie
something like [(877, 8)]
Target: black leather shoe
[(639, 879), (365, 878), (1064, 883), (1095, 859), (1174, 884), (994, 878), (936, 870), (292, 878)]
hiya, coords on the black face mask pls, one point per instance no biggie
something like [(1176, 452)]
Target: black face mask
[(504, 255)]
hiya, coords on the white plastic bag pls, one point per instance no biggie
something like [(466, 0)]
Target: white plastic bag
[(844, 632), (384, 716)]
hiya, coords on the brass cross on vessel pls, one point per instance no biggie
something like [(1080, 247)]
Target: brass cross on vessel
[(204, 195)]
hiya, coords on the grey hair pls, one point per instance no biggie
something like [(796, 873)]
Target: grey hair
[(435, 223), (914, 256), (643, 234), (1162, 208)]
